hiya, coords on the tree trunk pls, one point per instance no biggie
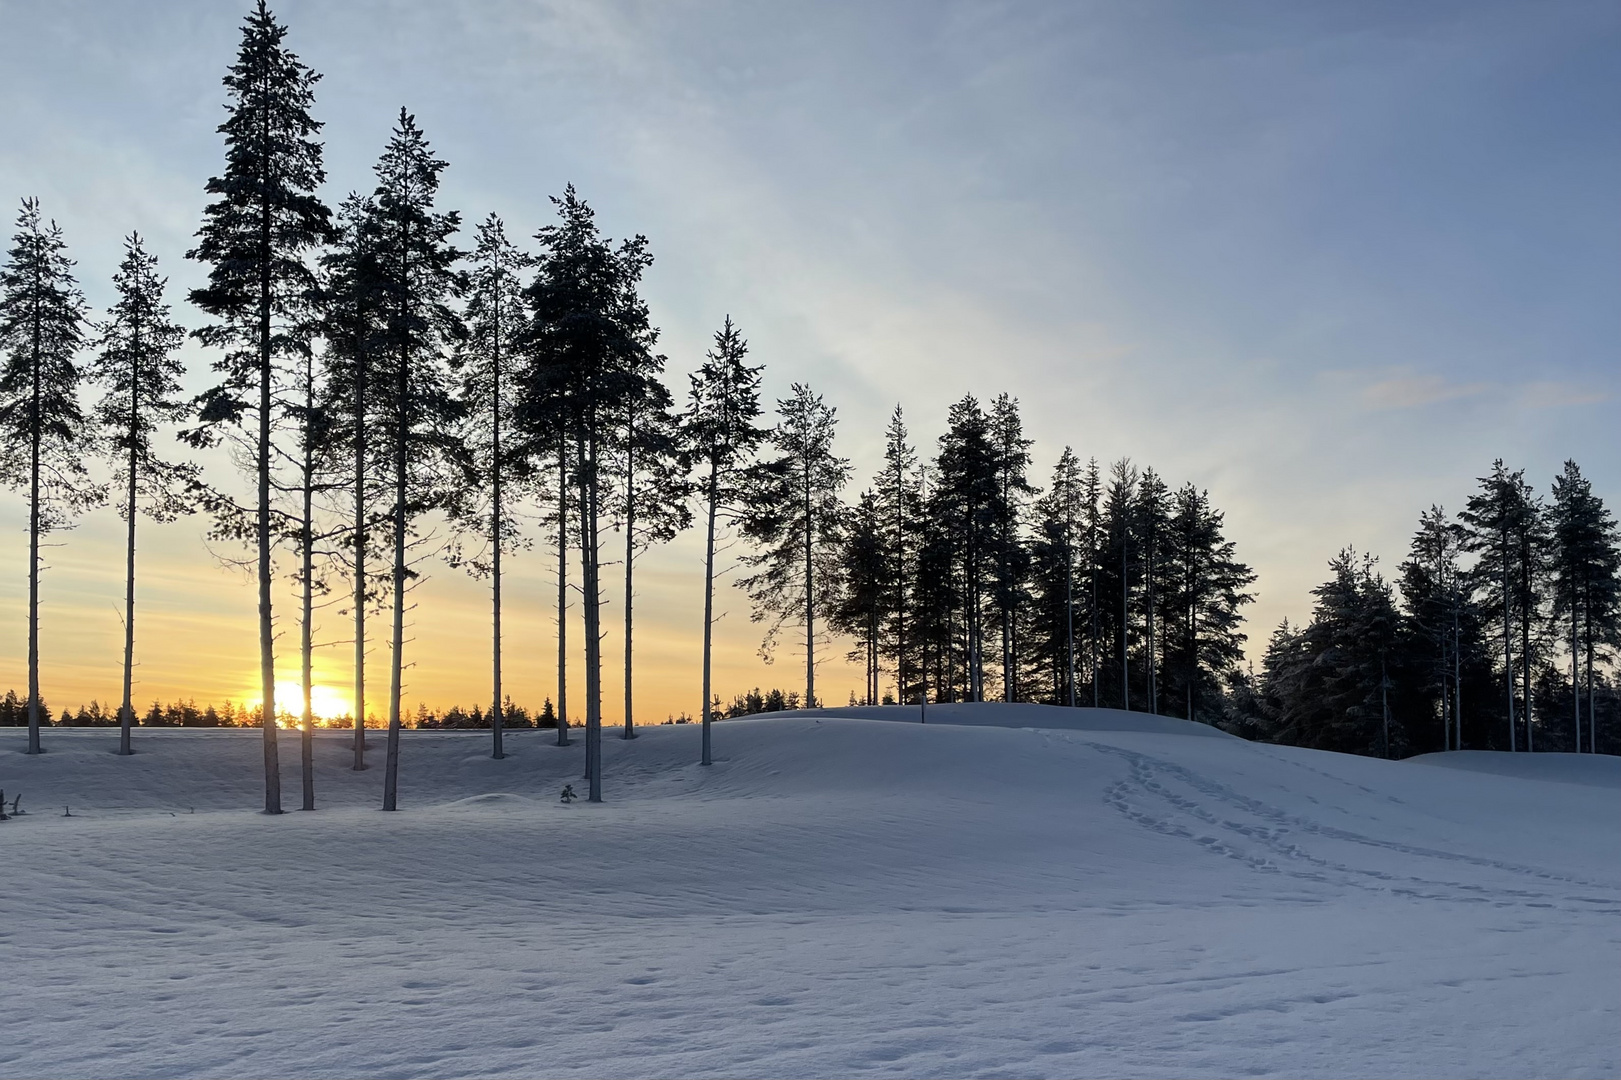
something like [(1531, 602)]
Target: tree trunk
[(34, 435), (126, 711), (810, 599), (562, 591), (267, 638), (709, 602), (593, 638), (402, 427), (630, 566), (497, 751), (1125, 623), (1508, 647), (306, 629), (360, 561)]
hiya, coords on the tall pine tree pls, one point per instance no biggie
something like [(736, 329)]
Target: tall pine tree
[(140, 377), (720, 436), (43, 434), (795, 519), (417, 416), (265, 216), (501, 463)]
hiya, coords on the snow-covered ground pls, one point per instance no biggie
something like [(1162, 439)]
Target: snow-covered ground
[(1030, 892)]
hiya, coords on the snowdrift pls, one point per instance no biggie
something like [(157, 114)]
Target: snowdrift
[(1019, 891)]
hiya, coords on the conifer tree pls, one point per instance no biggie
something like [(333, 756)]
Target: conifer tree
[(500, 458), (1123, 567), (1012, 490), (965, 502), (266, 215), (1586, 564), (794, 517), (1150, 524), (43, 435), (417, 417), (588, 327), (655, 503), (1433, 594), (140, 377), (720, 437), (1054, 555), (1203, 591), (899, 535), (1092, 532), (1501, 523), (859, 610), (353, 299)]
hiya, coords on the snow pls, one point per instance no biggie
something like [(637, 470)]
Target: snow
[(1020, 892)]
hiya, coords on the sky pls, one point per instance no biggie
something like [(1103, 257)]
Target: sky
[(1327, 261)]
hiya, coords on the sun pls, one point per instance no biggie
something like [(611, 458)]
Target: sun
[(325, 702)]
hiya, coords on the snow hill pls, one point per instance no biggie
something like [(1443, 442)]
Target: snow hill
[(1004, 891)]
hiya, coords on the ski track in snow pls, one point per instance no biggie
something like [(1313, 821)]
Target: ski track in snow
[(836, 896)]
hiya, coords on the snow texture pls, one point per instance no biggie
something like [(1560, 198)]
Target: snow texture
[(1005, 891)]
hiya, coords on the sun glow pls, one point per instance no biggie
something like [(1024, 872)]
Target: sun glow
[(325, 702)]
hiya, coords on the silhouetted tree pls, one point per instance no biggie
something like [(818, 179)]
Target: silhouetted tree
[(794, 517), (266, 215), (43, 434), (140, 376), (720, 436)]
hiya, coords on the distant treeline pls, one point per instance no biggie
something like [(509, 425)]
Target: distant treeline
[(1500, 632), (14, 713)]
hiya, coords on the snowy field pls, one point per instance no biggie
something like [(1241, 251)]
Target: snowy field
[(1031, 892)]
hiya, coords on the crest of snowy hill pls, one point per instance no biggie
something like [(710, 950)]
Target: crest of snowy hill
[(1004, 890)]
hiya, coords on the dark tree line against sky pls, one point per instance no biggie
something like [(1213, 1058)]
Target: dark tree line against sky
[(375, 382)]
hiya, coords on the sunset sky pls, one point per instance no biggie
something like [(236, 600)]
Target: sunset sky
[(1326, 260)]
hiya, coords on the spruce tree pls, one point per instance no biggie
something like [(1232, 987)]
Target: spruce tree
[(720, 437), (265, 216), (140, 377), (43, 434), (500, 458), (417, 416), (1092, 533), (795, 519)]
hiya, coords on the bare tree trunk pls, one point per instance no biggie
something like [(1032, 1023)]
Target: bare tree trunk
[(497, 751), (306, 629), (267, 639), (126, 711), (709, 604), (1125, 621), (630, 566), (593, 637), (1508, 648), (402, 427), (360, 563), (34, 434), (562, 591), (810, 600)]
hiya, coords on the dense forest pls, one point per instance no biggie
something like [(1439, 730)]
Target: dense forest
[(380, 372)]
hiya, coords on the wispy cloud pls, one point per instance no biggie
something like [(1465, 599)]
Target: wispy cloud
[(1411, 390)]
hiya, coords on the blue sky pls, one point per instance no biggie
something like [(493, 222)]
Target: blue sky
[(1327, 260)]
